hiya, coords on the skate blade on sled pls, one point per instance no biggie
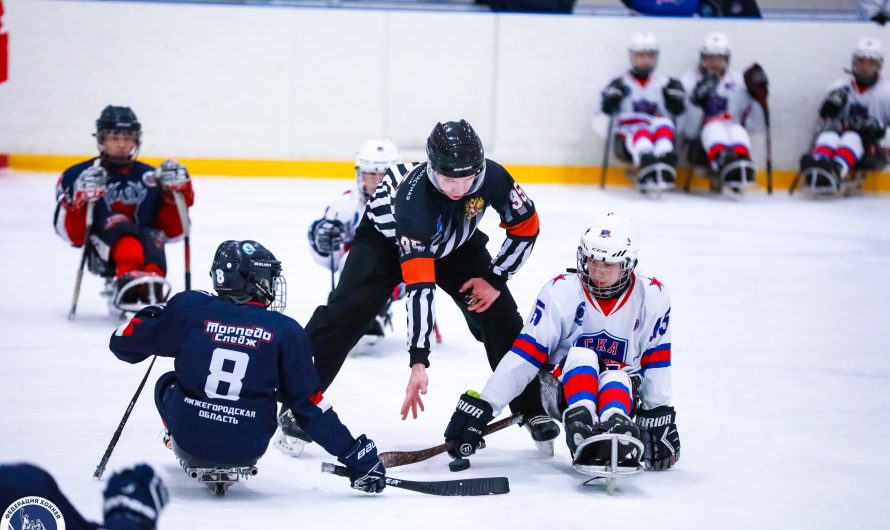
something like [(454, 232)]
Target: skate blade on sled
[(611, 472)]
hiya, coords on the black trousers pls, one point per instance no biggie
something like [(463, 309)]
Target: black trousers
[(369, 275)]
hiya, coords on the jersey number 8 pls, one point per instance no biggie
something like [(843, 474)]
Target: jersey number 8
[(238, 361)]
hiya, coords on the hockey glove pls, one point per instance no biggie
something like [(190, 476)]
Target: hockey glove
[(172, 176), (366, 471), (834, 103), (612, 96), (757, 83), (871, 130), (674, 97), (467, 425), (326, 235), (661, 441), (704, 90), (89, 186), (134, 498)]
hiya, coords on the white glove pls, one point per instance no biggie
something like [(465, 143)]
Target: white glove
[(89, 186), (173, 176)]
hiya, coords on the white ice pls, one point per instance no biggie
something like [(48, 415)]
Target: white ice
[(780, 367)]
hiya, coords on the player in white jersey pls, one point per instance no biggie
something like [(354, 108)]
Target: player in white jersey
[(606, 331), (855, 115), (643, 103), (722, 101), (330, 237)]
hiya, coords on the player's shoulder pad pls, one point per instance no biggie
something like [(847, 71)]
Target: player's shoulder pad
[(563, 282), (653, 288), (70, 174)]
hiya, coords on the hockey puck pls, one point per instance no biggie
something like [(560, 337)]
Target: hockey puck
[(459, 464)]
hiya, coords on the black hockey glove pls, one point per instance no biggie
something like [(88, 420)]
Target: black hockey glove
[(467, 425), (757, 83), (612, 96), (674, 96), (326, 235), (834, 103), (881, 18), (134, 498), (661, 441), (704, 90), (871, 130), (366, 471)]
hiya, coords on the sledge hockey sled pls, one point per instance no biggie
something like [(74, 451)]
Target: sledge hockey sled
[(611, 472)]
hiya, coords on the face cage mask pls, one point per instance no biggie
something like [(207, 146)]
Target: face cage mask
[(100, 144), (477, 180), (277, 295), (613, 290)]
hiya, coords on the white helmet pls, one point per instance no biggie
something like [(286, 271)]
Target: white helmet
[(642, 41), (610, 239), (715, 43), (375, 156), (869, 48)]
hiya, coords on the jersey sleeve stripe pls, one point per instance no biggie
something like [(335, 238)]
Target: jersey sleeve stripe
[(418, 270), (527, 228), (319, 401), (527, 352)]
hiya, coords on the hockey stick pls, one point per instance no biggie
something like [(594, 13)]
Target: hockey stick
[(100, 469), (605, 167), (401, 458), (470, 487), (769, 148), (183, 212), (83, 259)]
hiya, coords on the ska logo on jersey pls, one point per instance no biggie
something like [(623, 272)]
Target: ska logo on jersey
[(606, 345), (249, 336), (474, 207)]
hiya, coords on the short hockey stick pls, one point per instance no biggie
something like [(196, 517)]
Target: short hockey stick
[(401, 458), (100, 469), (83, 259), (183, 211), (470, 487)]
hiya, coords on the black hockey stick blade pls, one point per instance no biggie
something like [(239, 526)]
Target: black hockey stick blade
[(471, 487), (401, 458)]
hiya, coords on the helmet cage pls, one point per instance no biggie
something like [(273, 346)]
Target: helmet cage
[(628, 266)]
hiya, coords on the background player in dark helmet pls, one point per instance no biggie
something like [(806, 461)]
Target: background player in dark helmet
[(234, 361), (420, 227), (135, 216), (134, 497)]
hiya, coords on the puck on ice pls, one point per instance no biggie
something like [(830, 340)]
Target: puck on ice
[(459, 464)]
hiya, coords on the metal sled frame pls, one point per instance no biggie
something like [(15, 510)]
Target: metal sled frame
[(613, 471), (219, 479), (746, 167), (844, 187), (659, 170), (152, 299)]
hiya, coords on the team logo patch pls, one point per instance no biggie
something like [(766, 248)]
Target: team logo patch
[(606, 233), (606, 345), (474, 207), (149, 179), (32, 513), (248, 248), (250, 336)]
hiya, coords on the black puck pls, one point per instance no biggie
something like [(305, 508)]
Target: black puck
[(459, 464)]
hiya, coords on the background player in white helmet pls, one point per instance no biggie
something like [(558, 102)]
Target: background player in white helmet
[(855, 115), (606, 331), (721, 102), (643, 102), (330, 237)]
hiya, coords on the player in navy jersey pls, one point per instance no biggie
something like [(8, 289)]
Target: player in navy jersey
[(135, 211), (420, 228), (235, 360), (134, 498)]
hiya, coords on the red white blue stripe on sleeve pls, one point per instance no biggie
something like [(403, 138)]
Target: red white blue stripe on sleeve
[(657, 357), (319, 401), (528, 348)]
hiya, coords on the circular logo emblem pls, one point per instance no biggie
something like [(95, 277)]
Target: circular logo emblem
[(149, 179), (248, 248), (32, 513)]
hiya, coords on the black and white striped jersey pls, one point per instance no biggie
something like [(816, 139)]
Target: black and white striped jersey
[(426, 225)]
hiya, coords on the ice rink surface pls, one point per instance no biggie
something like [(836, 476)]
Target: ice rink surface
[(780, 368)]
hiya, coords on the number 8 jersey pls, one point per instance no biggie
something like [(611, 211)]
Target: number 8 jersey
[(631, 333), (233, 363)]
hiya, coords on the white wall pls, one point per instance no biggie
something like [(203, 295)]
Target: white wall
[(292, 83)]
